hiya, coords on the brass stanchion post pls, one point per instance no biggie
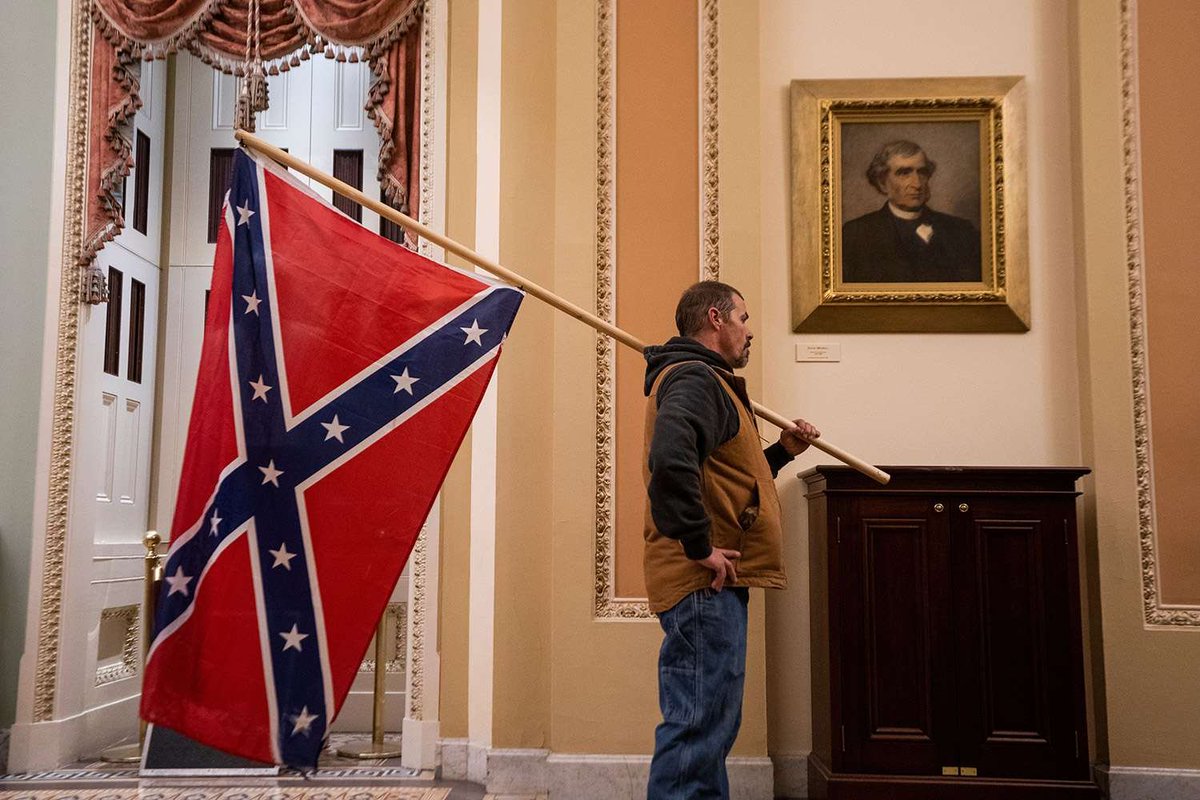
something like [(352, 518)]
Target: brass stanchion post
[(132, 753), (375, 748)]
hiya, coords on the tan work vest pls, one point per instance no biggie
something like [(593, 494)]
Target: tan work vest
[(738, 491)]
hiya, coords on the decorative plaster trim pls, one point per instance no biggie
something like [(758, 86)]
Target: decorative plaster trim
[(127, 666), (63, 425), (398, 612), (416, 664), (606, 604), (428, 215), (1156, 613), (710, 209), (425, 212)]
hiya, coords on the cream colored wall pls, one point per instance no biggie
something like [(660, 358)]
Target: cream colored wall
[(603, 673), (27, 130), (521, 697), (596, 666), (601, 696), (913, 398), (916, 399), (1150, 674), (453, 622)]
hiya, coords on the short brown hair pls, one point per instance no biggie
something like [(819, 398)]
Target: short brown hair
[(692, 311)]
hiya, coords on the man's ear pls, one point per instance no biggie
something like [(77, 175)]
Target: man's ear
[(715, 318)]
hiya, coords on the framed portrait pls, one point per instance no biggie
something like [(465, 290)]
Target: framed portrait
[(908, 205)]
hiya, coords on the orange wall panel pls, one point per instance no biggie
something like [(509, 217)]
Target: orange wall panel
[(1168, 62), (657, 225)]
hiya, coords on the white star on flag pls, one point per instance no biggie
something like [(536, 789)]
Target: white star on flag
[(293, 638), (282, 557), (179, 582), (474, 333), (304, 721), (244, 213), (334, 429), (270, 474), (260, 389), (213, 522), (252, 301), (404, 382)]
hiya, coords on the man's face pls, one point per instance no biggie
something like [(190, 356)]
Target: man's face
[(906, 183), (734, 335)]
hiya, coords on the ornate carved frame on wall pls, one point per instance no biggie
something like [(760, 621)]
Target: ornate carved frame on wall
[(607, 605), (821, 300), (1156, 613), (71, 278)]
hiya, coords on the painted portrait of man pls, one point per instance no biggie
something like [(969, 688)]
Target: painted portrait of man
[(905, 239)]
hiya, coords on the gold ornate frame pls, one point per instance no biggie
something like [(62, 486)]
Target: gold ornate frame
[(606, 604), (71, 295), (820, 302), (1155, 612)]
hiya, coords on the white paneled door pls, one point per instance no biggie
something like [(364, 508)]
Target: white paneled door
[(120, 338)]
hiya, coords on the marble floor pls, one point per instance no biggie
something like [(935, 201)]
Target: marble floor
[(337, 778)]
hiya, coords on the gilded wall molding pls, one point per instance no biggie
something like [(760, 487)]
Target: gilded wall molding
[(66, 353), (1155, 612), (416, 666), (710, 208), (425, 212), (397, 616), (606, 605), (418, 573)]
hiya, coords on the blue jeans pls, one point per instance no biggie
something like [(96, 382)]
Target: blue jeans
[(701, 670)]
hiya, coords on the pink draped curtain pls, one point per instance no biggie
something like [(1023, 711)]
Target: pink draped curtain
[(388, 32)]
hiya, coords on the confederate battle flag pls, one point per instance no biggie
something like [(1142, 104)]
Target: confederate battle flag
[(338, 377)]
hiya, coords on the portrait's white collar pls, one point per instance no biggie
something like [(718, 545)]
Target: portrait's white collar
[(902, 214)]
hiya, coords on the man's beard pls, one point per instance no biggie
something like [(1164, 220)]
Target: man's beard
[(742, 360)]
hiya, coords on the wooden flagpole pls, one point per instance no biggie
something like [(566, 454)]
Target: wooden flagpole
[(529, 287)]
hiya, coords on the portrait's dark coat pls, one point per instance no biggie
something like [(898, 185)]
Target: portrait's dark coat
[(879, 247)]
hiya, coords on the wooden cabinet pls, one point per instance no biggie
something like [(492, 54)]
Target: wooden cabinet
[(947, 655)]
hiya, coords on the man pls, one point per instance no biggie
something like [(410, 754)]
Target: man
[(905, 240), (712, 529)]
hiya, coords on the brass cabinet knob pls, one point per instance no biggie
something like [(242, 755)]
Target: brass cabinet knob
[(938, 507), (963, 507)]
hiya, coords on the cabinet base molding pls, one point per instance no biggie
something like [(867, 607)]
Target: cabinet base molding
[(823, 785)]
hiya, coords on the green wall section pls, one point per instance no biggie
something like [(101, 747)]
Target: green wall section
[(27, 60)]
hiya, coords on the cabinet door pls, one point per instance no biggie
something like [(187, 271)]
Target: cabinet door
[(1017, 672), (892, 600)]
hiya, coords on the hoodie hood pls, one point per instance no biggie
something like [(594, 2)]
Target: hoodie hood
[(677, 349)]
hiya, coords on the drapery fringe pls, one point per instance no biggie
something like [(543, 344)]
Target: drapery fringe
[(381, 83), (149, 51), (310, 42)]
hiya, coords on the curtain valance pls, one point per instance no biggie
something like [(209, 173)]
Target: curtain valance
[(385, 32)]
